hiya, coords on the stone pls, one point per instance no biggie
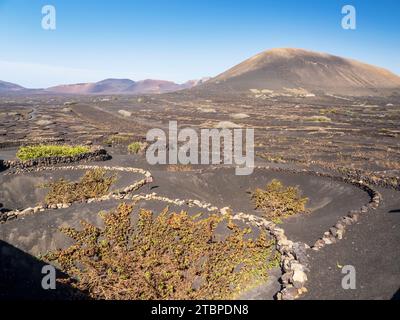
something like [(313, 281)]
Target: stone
[(295, 266), (3, 216), (283, 241), (11, 217), (286, 265), (339, 226), (197, 203), (289, 293), (347, 221), (36, 209), (302, 290), (319, 244), (298, 279), (239, 116), (333, 231), (300, 252), (226, 125), (327, 240), (226, 211), (283, 249), (299, 276), (27, 211), (339, 234), (354, 217), (125, 113), (286, 277)]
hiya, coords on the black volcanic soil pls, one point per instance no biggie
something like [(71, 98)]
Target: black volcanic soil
[(372, 247), (325, 132), (338, 131), (37, 234), (328, 200)]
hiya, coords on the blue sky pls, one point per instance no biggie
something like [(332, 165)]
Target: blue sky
[(180, 40)]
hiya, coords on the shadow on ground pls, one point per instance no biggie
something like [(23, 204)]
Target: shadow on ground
[(21, 277), (2, 166), (397, 295)]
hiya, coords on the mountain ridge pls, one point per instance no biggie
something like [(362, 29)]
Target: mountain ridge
[(103, 87), (120, 86), (275, 70)]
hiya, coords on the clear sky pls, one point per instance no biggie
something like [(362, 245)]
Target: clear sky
[(180, 40)]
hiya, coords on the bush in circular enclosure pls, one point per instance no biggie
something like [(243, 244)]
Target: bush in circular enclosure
[(44, 151), (278, 201), (93, 184), (170, 256)]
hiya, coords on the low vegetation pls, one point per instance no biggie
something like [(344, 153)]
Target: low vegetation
[(179, 168), (329, 111), (136, 147), (133, 147), (168, 256), (318, 119), (278, 201), (118, 139), (43, 151), (93, 184)]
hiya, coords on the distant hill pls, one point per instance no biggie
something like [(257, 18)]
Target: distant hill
[(111, 85), (282, 69), (104, 86), (107, 86), (121, 86), (10, 87)]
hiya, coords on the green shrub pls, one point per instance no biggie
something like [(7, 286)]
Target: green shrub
[(179, 168), (318, 119), (43, 151), (278, 201), (168, 256), (117, 139), (136, 147)]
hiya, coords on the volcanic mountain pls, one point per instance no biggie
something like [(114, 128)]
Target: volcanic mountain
[(282, 69)]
